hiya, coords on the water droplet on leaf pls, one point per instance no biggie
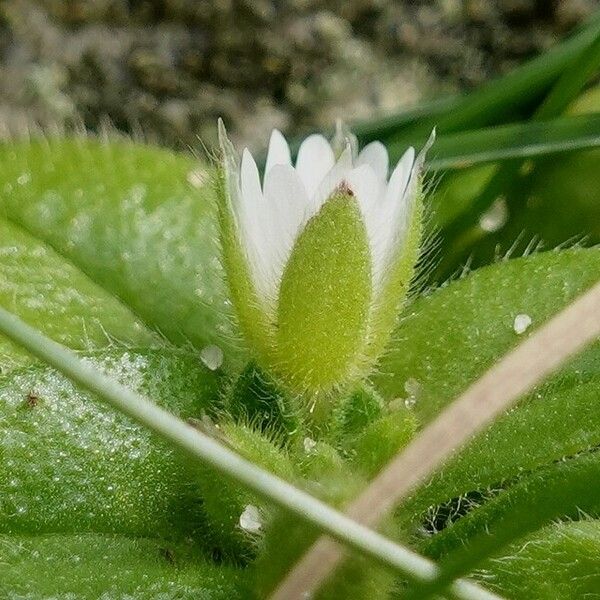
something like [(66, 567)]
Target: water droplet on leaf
[(521, 323), (250, 519), (212, 357)]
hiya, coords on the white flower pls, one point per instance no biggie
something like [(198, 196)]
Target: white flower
[(268, 219), (271, 216)]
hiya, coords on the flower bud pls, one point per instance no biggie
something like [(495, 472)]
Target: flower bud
[(319, 256)]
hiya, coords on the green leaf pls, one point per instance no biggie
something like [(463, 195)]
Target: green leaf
[(71, 464), (545, 427), (128, 217), (558, 491), (50, 293), (561, 561), (91, 566), (451, 337), (521, 140)]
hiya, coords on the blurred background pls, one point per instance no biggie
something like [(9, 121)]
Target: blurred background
[(513, 75), (170, 67)]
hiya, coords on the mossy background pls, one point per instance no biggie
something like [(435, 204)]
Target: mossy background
[(170, 67)]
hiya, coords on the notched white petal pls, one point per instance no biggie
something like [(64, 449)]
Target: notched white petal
[(315, 160), (254, 219), (375, 154), (400, 176), (250, 178), (279, 151)]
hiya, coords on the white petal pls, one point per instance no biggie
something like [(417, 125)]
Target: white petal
[(418, 164), (315, 160), (251, 213), (287, 203), (279, 151), (375, 154), (369, 191), (331, 181), (400, 176), (390, 216)]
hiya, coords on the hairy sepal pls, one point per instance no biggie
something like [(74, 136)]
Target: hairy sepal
[(251, 313), (388, 304), (324, 299)]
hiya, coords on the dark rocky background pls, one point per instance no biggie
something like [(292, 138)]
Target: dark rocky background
[(168, 68)]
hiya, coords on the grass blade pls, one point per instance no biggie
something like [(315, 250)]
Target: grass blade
[(506, 180), (517, 93), (519, 141)]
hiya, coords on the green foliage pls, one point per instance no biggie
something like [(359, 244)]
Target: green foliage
[(561, 561), (92, 566), (72, 465), (110, 248), (127, 216), (450, 337), (559, 419), (48, 292), (491, 144), (558, 490)]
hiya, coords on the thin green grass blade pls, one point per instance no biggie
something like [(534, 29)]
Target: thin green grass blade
[(572, 81), (506, 181), (523, 140)]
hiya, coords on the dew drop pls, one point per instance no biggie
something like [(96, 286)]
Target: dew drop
[(212, 357), (521, 323), (495, 217), (309, 445), (410, 402), (250, 520)]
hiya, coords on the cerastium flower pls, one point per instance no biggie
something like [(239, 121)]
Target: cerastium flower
[(319, 255)]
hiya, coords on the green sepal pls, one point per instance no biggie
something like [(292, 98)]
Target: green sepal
[(388, 304), (381, 440), (324, 299), (250, 312), (288, 538), (354, 412), (224, 501)]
